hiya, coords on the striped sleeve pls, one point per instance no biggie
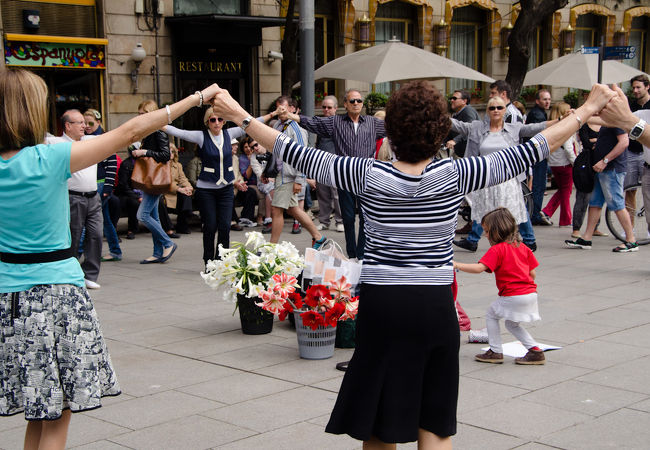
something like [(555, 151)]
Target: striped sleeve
[(347, 173), (483, 171), (111, 169)]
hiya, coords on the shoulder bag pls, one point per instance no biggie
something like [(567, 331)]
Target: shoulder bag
[(150, 176)]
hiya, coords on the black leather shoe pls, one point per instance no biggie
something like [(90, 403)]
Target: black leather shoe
[(466, 245), (236, 227)]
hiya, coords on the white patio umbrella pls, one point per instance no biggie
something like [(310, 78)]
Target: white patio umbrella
[(394, 61), (580, 71)]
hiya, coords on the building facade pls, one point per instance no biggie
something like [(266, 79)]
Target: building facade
[(85, 49)]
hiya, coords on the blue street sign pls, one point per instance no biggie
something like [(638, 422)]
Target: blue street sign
[(589, 50), (620, 52)]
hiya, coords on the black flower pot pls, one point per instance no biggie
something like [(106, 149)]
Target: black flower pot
[(254, 320)]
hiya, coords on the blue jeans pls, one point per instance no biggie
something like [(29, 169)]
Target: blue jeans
[(525, 229), (215, 206), (539, 186), (148, 214), (348, 203), (109, 230)]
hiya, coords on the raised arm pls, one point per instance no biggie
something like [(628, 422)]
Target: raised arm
[(194, 136), (321, 126), (462, 128), (88, 152)]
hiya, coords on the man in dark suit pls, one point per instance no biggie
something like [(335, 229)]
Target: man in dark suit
[(463, 112)]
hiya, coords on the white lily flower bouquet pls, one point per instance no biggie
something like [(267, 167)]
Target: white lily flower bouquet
[(247, 268)]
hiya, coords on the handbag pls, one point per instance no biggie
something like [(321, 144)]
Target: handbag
[(583, 173), (150, 176)]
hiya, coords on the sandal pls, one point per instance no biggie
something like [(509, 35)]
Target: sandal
[(342, 366), (626, 247)]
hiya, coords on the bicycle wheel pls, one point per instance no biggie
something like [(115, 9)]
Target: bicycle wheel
[(637, 215)]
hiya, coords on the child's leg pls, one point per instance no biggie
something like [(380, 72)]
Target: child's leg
[(33, 434), (520, 333), (494, 330), (54, 433)]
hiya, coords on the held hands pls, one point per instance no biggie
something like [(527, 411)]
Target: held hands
[(225, 106), (599, 97), (617, 112)]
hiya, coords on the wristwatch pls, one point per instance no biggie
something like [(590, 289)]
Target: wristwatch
[(637, 131), (246, 122), (606, 161)]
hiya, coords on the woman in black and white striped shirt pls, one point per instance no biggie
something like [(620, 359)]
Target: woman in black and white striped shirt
[(402, 382)]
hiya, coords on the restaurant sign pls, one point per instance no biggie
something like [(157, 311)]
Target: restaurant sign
[(48, 54)]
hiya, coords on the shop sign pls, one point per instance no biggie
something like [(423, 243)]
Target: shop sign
[(46, 54), (210, 66)]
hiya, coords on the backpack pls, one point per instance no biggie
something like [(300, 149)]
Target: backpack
[(583, 173)]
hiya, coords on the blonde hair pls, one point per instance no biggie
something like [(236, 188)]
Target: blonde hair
[(148, 106), (23, 113), (174, 152), (558, 110), (494, 100), (500, 226), (381, 114), (208, 113)]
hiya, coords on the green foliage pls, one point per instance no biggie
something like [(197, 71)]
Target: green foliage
[(573, 98), (375, 101), (527, 94)]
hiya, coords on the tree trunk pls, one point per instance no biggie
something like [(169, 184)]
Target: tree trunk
[(289, 47), (533, 14)]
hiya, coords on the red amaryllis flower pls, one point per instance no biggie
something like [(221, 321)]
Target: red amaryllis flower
[(314, 294), (296, 299), (284, 284), (340, 288), (351, 308), (332, 315), (311, 319), (288, 309)]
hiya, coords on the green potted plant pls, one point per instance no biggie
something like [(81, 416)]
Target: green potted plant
[(375, 101)]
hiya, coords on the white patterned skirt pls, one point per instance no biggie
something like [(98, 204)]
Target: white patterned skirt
[(507, 195), (52, 353)]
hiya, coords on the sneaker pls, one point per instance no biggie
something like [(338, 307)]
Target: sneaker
[(478, 336), (296, 229), (533, 357), (467, 245), (626, 247), (544, 219), (316, 244), (267, 221), (531, 245), (91, 284), (340, 228), (246, 222), (490, 357), (266, 229), (322, 227), (578, 243), (600, 233)]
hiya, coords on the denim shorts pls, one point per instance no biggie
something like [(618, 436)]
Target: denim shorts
[(608, 188)]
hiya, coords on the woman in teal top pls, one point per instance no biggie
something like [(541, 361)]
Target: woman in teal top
[(53, 359)]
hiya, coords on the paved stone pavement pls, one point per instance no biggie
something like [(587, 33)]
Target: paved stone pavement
[(191, 380)]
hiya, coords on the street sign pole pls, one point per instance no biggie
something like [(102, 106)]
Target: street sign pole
[(601, 53)]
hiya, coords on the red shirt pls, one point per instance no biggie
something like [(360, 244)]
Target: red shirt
[(511, 264)]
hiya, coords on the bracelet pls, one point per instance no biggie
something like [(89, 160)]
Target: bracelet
[(578, 119), (200, 98), (169, 115)]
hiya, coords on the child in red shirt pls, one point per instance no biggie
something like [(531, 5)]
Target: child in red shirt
[(513, 264)]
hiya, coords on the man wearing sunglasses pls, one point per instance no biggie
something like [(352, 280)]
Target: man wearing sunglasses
[(461, 110), (353, 135)]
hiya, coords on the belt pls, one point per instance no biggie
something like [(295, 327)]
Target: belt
[(36, 258), (83, 194)]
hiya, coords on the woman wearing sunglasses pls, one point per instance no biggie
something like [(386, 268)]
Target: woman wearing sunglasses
[(485, 137), (219, 173)]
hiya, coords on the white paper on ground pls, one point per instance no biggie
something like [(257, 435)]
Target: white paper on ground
[(516, 350)]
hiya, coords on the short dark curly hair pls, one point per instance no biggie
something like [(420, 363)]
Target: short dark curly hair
[(417, 121)]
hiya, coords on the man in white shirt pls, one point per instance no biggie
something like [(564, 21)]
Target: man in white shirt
[(85, 204)]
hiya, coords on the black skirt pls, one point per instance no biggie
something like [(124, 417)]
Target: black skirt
[(404, 372)]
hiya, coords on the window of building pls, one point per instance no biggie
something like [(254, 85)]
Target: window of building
[(467, 43), (199, 7), (639, 39), (396, 20), (535, 46), (589, 30), (324, 43)]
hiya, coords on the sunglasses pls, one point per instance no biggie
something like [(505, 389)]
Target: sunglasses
[(355, 100), (214, 119), (328, 107), (499, 108), (90, 124), (454, 98), (255, 145)]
